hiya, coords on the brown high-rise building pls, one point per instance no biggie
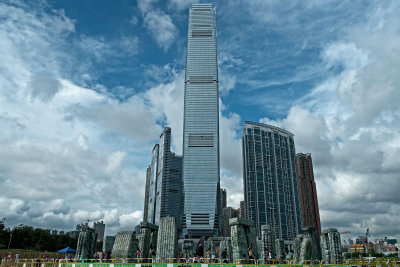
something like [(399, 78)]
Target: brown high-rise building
[(308, 191)]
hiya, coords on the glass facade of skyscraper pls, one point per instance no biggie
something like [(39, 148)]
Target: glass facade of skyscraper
[(153, 185), (165, 186), (171, 195), (201, 163), (270, 179), (147, 194)]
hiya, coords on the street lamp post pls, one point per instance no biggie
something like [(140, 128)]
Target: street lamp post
[(11, 235), (9, 242)]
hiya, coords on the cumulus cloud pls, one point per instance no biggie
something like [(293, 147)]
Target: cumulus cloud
[(134, 20), (101, 49), (181, 4), (59, 167), (159, 24), (130, 44), (43, 87), (167, 100), (131, 117), (127, 220), (114, 161), (227, 83), (231, 152), (95, 46)]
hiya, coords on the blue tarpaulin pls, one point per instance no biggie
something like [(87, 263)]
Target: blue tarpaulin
[(67, 250)]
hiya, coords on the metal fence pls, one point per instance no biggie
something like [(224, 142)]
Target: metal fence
[(181, 262)]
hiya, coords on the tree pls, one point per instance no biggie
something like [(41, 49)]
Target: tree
[(2, 225), (27, 237)]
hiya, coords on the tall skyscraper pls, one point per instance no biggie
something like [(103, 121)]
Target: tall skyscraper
[(270, 179), (147, 194), (162, 173), (165, 185), (201, 163), (308, 192), (99, 228)]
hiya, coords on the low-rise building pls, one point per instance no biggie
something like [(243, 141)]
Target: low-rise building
[(357, 248)]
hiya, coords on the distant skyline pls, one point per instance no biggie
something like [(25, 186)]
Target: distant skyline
[(87, 87)]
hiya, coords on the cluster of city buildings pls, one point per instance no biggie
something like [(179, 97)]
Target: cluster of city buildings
[(362, 244), (185, 210), (279, 187), (98, 227)]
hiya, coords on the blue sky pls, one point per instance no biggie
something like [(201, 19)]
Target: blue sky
[(86, 87)]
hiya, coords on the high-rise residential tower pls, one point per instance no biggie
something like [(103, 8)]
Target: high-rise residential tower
[(147, 194), (165, 186), (99, 228), (308, 192), (151, 210), (201, 163), (171, 195), (270, 180)]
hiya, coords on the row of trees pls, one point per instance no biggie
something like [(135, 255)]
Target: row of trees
[(27, 237)]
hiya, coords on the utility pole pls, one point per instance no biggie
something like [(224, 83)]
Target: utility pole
[(9, 242), (11, 235)]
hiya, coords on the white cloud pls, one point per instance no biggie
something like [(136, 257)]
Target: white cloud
[(181, 4), (98, 47), (58, 169), (160, 24), (231, 145), (130, 45), (131, 117), (231, 157), (227, 83), (167, 100), (129, 221), (134, 20), (114, 161), (346, 54), (43, 87), (83, 215), (102, 49)]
